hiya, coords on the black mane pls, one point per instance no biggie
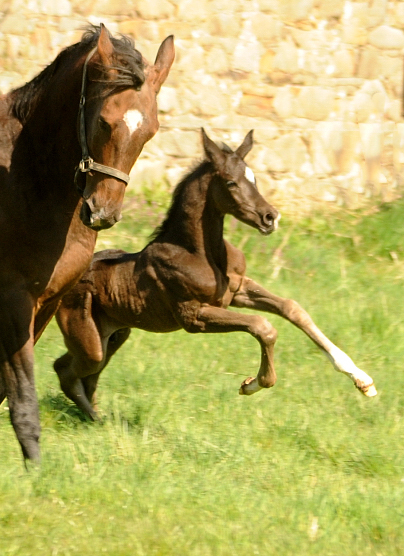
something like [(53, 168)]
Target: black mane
[(176, 201), (128, 63)]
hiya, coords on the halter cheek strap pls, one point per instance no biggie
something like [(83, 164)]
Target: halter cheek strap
[(86, 163)]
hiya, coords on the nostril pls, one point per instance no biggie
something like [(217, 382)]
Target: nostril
[(268, 219)]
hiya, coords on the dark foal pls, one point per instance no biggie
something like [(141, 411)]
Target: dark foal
[(49, 223), (186, 277)]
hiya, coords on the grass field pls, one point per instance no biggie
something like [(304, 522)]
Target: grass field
[(182, 465)]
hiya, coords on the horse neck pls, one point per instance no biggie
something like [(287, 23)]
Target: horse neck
[(195, 222), (50, 134)]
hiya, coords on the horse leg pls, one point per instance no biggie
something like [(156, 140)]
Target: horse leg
[(253, 296), (216, 319), (17, 367), (2, 389)]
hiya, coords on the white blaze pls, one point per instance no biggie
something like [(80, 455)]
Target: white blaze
[(133, 119), (249, 174)]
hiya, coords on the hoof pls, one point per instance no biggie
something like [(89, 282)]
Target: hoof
[(249, 386), (369, 391)]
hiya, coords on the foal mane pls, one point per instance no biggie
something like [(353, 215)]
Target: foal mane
[(128, 64), (175, 209)]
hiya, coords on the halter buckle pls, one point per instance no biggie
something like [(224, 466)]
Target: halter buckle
[(86, 164)]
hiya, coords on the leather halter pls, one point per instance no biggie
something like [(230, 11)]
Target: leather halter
[(86, 163)]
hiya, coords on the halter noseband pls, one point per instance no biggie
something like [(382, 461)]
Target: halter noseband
[(86, 163)]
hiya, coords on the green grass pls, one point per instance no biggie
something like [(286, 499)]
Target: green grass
[(182, 465)]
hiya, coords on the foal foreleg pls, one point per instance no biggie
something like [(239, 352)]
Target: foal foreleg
[(216, 319), (254, 296)]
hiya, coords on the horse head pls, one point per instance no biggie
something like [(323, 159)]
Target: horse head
[(234, 190), (118, 115)]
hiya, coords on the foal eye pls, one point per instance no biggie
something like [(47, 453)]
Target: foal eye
[(231, 183)]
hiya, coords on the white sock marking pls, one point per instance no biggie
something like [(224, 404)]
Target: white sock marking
[(133, 119), (344, 364)]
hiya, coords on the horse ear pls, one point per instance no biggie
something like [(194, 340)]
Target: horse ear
[(104, 46), (164, 60), (246, 145), (212, 151)]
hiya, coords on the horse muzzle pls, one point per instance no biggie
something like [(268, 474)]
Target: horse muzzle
[(98, 219)]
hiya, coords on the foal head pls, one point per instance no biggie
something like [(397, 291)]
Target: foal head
[(234, 188), (120, 116)]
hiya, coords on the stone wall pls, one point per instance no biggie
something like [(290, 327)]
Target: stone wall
[(320, 82)]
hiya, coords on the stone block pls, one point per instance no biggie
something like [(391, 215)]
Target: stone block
[(330, 8), (292, 152), (344, 63), (266, 65), (180, 144), (269, 6), (247, 52), (255, 106), (189, 57), (167, 99), (192, 10), (224, 25), (368, 64), (387, 37), (399, 14), (393, 110), (140, 29), (180, 29), (52, 8), (377, 12), (294, 10), (217, 61), (286, 57), (389, 66), (353, 33), (334, 147), (154, 9), (362, 106), (15, 25), (267, 28), (314, 103), (284, 103)]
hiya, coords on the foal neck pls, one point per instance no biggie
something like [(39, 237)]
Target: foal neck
[(193, 221)]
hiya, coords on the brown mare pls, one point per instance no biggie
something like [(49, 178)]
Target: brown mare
[(97, 98), (186, 277)]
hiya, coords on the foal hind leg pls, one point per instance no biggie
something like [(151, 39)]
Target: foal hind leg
[(115, 341), (72, 385), (217, 319), (252, 295)]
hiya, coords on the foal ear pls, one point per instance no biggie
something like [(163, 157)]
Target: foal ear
[(246, 145), (105, 47), (164, 61), (212, 151)]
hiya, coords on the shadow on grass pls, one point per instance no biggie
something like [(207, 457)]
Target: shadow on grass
[(62, 410)]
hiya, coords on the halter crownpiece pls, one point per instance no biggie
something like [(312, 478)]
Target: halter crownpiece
[(86, 163)]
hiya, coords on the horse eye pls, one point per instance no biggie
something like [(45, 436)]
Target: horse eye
[(104, 125), (231, 183)]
